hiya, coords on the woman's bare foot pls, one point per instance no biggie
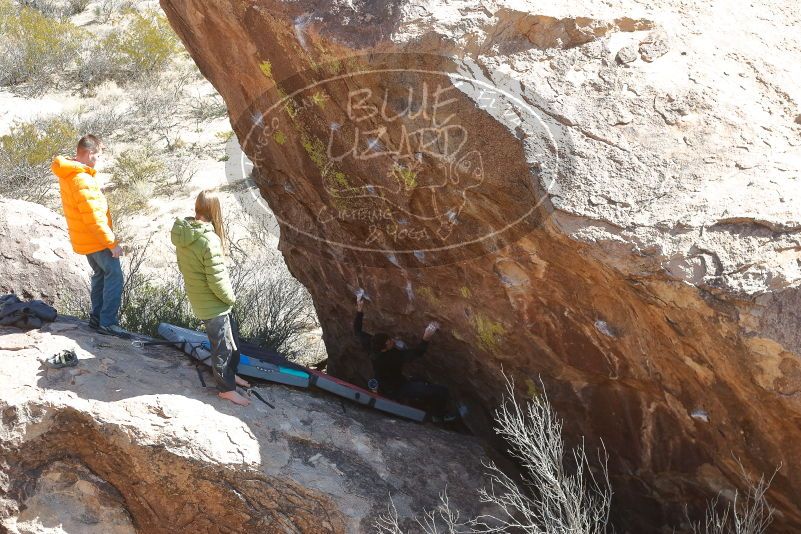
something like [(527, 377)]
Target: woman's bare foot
[(234, 397), (241, 382)]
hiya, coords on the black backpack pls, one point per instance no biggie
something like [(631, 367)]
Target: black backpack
[(25, 315)]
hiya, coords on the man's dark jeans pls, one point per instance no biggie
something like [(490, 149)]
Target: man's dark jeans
[(106, 286), (433, 394)]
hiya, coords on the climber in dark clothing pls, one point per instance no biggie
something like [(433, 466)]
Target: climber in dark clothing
[(388, 357)]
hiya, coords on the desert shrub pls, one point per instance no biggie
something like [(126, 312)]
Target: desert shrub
[(26, 153), (746, 513), (273, 309), (138, 165), (34, 48), (139, 46), (98, 63), (147, 302), (7, 11), (555, 493), (204, 108), (102, 120), (148, 299), (158, 107), (144, 46), (136, 175), (106, 9), (37, 50), (75, 301), (181, 168), (28, 149), (59, 9)]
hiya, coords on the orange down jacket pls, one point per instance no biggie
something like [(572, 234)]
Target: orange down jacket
[(85, 206)]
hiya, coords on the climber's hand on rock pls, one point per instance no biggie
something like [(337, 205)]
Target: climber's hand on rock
[(432, 327), (360, 298)]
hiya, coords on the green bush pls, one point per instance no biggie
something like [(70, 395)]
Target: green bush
[(26, 153), (145, 304), (136, 166), (35, 49), (143, 47), (137, 174)]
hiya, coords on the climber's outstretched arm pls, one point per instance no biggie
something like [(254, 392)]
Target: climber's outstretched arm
[(364, 337), (412, 354)]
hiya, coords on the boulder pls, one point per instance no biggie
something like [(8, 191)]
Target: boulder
[(37, 258), (624, 226), (130, 441)]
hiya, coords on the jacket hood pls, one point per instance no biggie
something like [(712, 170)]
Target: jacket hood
[(65, 167), (187, 231)]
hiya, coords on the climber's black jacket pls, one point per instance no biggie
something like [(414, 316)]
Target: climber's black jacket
[(388, 365)]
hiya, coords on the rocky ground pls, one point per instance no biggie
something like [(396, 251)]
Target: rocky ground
[(129, 441)]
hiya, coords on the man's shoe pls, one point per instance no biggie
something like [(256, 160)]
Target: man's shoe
[(94, 323), (114, 330)]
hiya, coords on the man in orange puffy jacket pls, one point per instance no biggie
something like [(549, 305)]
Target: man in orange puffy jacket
[(91, 233)]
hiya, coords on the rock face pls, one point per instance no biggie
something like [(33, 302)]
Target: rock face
[(129, 441), (37, 259), (68, 496), (606, 196)]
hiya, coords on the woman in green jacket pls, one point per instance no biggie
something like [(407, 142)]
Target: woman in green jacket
[(199, 245)]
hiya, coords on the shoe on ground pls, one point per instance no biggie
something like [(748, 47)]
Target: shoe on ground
[(94, 323), (461, 412), (65, 358), (114, 330)]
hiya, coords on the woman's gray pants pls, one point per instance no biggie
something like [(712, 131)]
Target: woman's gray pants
[(224, 352)]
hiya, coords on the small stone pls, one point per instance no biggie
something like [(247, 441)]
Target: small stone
[(627, 54), (60, 327), (651, 51), (798, 119), (746, 164)]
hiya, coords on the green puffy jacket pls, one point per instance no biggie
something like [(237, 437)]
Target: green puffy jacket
[(200, 259)]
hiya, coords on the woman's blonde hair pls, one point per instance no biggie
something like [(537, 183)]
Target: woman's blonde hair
[(207, 206)]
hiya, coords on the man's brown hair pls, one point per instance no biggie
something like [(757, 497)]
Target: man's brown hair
[(91, 143)]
